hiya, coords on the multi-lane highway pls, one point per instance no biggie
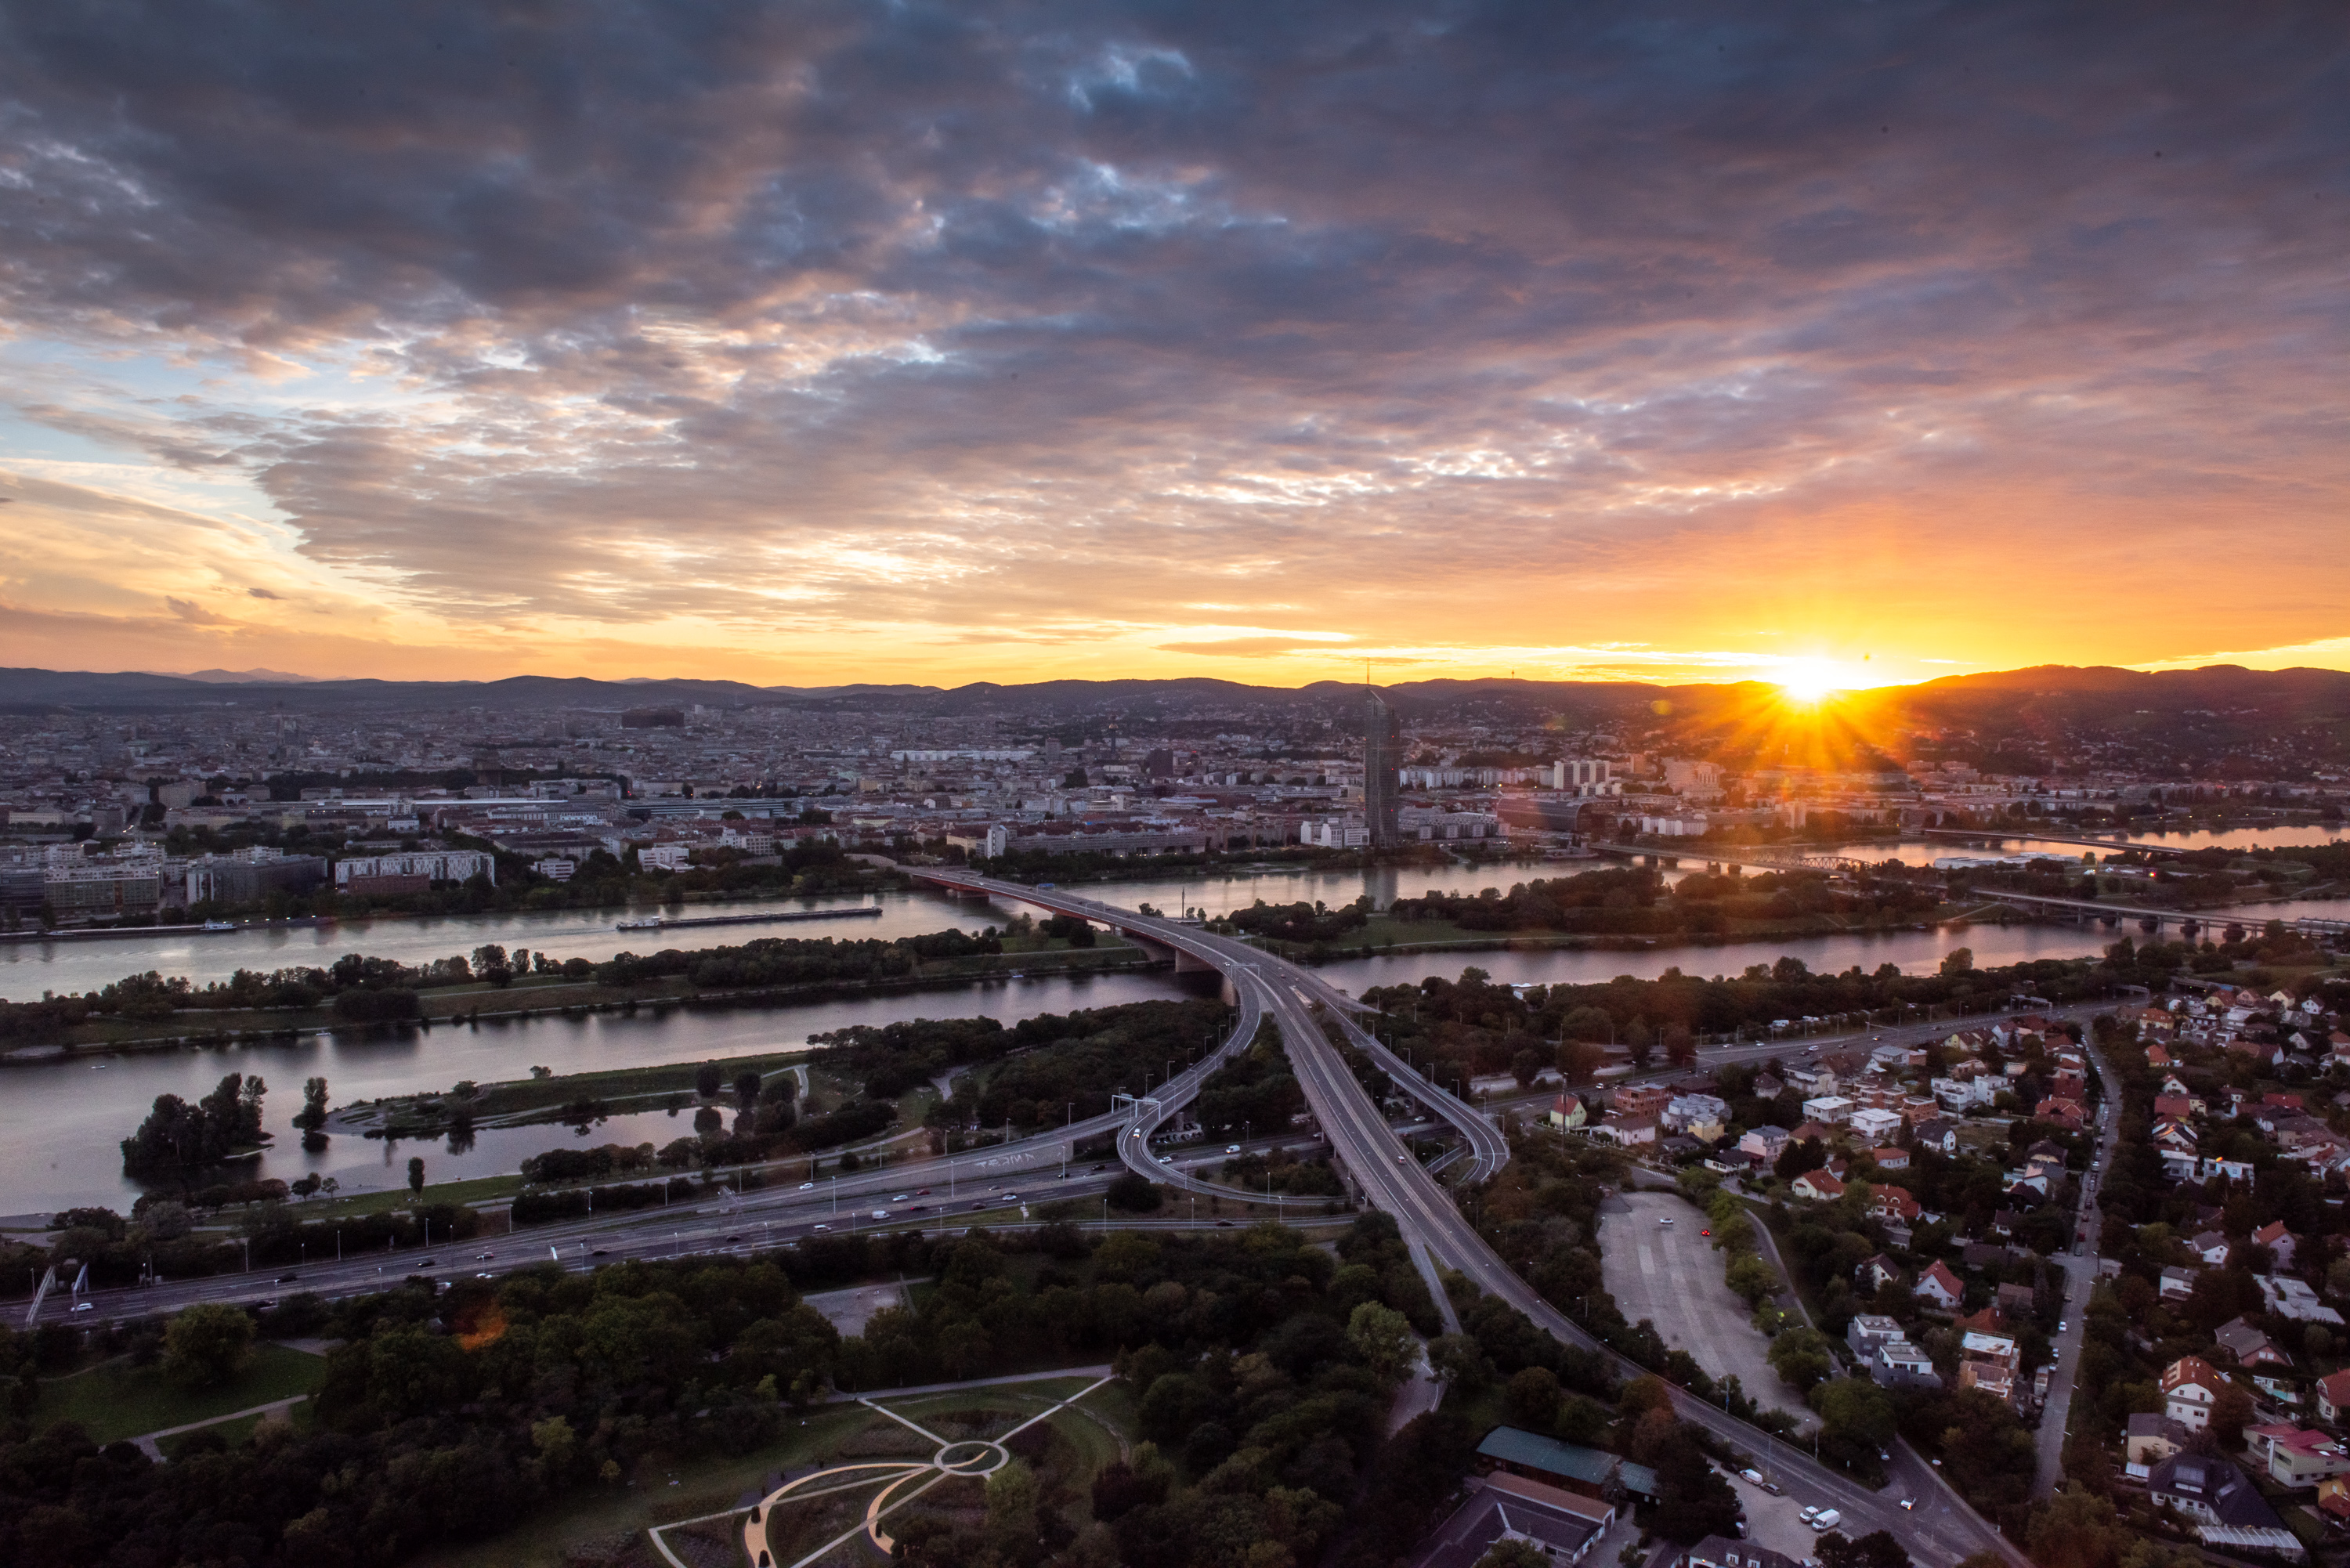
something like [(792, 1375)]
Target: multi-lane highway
[(1438, 1234)]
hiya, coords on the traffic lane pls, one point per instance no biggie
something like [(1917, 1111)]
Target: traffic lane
[(1443, 1231), (638, 1238)]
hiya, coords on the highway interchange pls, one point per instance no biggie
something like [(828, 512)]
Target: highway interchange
[(1940, 1530)]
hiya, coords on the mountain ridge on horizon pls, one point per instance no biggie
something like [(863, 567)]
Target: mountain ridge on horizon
[(29, 688)]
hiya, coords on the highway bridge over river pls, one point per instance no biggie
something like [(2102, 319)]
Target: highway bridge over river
[(1941, 1531)]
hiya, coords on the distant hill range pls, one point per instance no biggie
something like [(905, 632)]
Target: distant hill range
[(2193, 712)]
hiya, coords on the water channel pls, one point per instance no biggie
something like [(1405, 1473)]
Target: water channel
[(60, 1122)]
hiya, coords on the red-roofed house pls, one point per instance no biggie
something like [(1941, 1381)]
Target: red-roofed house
[(2191, 1387), (2278, 1241), (2333, 1396), (1890, 1159), (2156, 1057), (1896, 1203), (1941, 1287), (2177, 1106), (1818, 1186)]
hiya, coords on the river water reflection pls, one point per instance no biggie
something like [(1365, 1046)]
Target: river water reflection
[(60, 1122)]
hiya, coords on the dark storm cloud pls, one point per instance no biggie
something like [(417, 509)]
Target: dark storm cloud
[(1018, 303)]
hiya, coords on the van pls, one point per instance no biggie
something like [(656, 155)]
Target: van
[(1826, 1519)]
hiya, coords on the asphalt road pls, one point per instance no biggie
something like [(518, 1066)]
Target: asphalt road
[(2081, 1278), (1436, 1231)]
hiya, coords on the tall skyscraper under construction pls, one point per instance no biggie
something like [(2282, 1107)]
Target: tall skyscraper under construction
[(1382, 751)]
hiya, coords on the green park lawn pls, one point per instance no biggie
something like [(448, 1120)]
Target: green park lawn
[(115, 1399)]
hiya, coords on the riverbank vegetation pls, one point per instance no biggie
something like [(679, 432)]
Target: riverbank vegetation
[(360, 989)]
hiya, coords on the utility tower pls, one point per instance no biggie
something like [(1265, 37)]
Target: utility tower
[(1382, 750)]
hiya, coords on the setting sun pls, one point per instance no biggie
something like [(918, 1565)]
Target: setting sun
[(1812, 679)]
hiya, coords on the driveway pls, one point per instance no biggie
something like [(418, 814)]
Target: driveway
[(1671, 1275)]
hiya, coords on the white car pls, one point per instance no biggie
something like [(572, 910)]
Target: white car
[(1808, 1513), (880, 1214), (808, 1186), (1665, 1220), (1166, 1160), (1827, 1519), (1231, 1149)]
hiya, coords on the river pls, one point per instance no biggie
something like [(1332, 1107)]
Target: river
[(60, 1122)]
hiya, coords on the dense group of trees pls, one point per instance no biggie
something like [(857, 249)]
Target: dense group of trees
[(178, 1136), (363, 989), (1635, 901), (1260, 1363)]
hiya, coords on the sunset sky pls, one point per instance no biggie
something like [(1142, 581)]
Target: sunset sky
[(813, 343)]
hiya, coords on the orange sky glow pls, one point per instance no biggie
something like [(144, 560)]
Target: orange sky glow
[(1833, 347)]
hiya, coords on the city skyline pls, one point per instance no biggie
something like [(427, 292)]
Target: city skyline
[(1834, 347)]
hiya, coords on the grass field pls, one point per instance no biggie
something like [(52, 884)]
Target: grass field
[(546, 1539), (116, 1399)]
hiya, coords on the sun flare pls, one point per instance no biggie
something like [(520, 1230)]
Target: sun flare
[(1812, 679)]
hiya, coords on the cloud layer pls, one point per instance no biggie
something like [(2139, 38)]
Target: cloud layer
[(860, 341)]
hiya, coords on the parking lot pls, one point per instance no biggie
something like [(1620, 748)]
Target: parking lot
[(1672, 1276)]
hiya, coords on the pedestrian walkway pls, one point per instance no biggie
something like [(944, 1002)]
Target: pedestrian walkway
[(151, 1443)]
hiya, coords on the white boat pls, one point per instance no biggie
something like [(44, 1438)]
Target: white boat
[(652, 925), (219, 925)]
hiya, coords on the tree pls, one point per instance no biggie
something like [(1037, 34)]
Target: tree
[(1589, 1023), (1458, 1360), (1012, 1505), (1513, 1554), (1579, 1062), (707, 1080), (1856, 1417), (1135, 1193), (312, 1114), (1798, 1157), (416, 1174), (207, 1344), (1958, 962), (1800, 1357), (1531, 1398), (2076, 1529), (1680, 1045), (746, 1088), (1877, 1549), (2232, 1412), (1640, 1043), (1526, 1066), (1383, 1338)]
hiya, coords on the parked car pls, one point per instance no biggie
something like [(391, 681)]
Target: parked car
[(1827, 1519)]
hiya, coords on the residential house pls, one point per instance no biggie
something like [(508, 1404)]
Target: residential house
[(1897, 1364), (2279, 1241), (2150, 1439), (1559, 1524), (1866, 1331), (1768, 1142), (1876, 1126), (1831, 1110), (1939, 1286), (2178, 1284), (1895, 1205), (2227, 1508), (1818, 1186), (2292, 1298), (2017, 1302), (1722, 1552), (1642, 1100), (1568, 1113), (1990, 1362), (2191, 1387), (1701, 1116), (1875, 1274), (1890, 1159), (1631, 1132), (1939, 1135), (2248, 1347), (2333, 1398), (2212, 1248), (2296, 1456)]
